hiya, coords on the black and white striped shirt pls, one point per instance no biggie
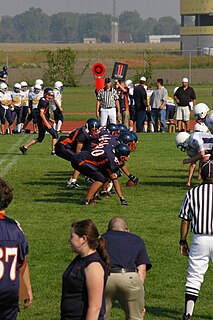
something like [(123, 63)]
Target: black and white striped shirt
[(197, 207), (108, 98)]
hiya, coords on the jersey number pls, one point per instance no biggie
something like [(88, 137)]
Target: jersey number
[(5, 255)]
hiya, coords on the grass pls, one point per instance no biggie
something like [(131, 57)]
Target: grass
[(45, 208)]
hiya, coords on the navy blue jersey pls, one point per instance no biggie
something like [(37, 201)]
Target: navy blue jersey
[(44, 106), (126, 250), (101, 156), (13, 249)]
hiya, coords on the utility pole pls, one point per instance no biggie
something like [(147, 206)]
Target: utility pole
[(114, 24)]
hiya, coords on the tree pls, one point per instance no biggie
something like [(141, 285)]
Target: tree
[(64, 27), (167, 25), (94, 25), (130, 22), (61, 65)]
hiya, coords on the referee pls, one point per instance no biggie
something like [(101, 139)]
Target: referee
[(197, 210), (107, 103)]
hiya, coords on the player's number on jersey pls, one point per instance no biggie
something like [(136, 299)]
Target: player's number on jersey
[(8, 255)]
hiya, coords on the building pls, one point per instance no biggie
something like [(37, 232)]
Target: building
[(163, 38), (196, 25), (90, 40)]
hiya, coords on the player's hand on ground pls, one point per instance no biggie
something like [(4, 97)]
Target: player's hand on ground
[(123, 201), (133, 179)]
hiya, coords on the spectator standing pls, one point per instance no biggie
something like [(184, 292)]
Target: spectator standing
[(158, 106), (196, 210), (140, 98), (123, 92), (129, 262), (107, 104), (148, 125), (83, 287), (185, 97), (13, 251), (132, 119)]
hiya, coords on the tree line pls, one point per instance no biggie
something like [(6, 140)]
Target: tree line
[(34, 25)]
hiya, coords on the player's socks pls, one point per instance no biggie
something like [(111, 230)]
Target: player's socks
[(59, 125)]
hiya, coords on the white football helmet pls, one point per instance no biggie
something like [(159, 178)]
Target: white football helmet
[(23, 84), (182, 140), (209, 121), (58, 85), (201, 127), (17, 87), (37, 88), (200, 111), (128, 83), (40, 82), (3, 87)]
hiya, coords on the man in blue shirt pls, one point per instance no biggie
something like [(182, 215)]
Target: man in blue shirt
[(129, 262)]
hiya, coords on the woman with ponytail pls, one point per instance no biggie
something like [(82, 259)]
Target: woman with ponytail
[(83, 287)]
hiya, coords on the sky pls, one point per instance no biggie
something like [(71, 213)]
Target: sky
[(146, 8)]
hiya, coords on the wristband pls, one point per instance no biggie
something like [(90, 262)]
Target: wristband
[(183, 242)]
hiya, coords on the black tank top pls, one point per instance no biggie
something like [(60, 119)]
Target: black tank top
[(74, 301)]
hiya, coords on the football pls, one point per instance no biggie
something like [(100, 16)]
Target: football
[(130, 183)]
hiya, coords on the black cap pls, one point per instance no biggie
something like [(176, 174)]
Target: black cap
[(107, 80), (207, 170)]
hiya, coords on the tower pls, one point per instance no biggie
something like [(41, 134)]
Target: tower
[(114, 24), (196, 24)]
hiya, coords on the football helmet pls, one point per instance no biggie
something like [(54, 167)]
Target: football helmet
[(37, 88), (92, 124), (3, 87), (129, 139), (49, 91), (200, 111), (201, 127), (122, 127), (122, 149), (112, 128), (23, 84), (58, 85), (182, 140), (128, 83), (209, 121), (40, 82), (17, 87)]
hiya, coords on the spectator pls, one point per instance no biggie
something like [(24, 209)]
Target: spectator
[(13, 249), (130, 86), (184, 96), (196, 210), (158, 106), (148, 125), (123, 92), (107, 104), (83, 287), (170, 109), (140, 98), (129, 262)]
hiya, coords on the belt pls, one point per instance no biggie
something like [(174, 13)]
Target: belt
[(123, 270)]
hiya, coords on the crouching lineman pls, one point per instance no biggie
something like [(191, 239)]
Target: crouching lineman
[(44, 122), (198, 146), (101, 165)]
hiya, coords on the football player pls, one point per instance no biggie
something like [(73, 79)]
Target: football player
[(5, 102), (44, 121), (57, 106)]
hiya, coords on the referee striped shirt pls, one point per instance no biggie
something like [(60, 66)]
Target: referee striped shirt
[(197, 207), (108, 98)]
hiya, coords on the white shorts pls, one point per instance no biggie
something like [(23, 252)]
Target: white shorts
[(183, 113)]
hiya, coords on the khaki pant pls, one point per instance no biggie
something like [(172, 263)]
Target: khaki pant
[(128, 289), (125, 118)]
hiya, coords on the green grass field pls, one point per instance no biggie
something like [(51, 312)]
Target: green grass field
[(45, 209)]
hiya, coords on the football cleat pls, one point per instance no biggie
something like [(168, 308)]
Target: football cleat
[(187, 317), (73, 185), (23, 150), (52, 153), (88, 202)]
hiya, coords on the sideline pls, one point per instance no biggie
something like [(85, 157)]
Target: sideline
[(7, 156)]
